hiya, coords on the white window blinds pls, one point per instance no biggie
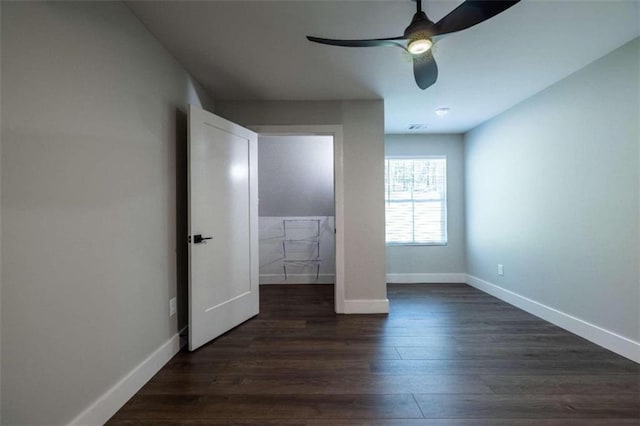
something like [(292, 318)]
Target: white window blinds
[(416, 200)]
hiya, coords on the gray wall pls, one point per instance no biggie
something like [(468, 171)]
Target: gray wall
[(552, 193), (433, 259), (295, 175), (0, 226), (92, 110), (363, 158)]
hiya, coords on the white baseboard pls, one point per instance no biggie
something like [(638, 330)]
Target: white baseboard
[(607, 339), (113, 399), (426, 278), (296, 279), (370, 306)]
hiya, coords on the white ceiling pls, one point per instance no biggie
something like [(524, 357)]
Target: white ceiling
[(256, 50)]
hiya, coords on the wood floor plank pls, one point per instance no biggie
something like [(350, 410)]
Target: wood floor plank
[(507, 366), (212, 422), (265, 366), (176, 407), (385, 422), (529, 406), (478, 422), (520, 352), (576, 384), (299, 352), (447, 354), (320, 384)]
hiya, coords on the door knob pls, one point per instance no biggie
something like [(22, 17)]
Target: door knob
[(199, 239)]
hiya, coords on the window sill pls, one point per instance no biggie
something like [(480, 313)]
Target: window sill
[(417, 244)]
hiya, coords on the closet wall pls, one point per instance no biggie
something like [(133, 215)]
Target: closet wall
[(296, 192)]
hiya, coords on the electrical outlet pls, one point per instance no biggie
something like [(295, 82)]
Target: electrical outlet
[(172, 307), (500, 269)]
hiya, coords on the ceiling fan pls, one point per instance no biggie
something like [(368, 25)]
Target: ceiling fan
[(418, 36)]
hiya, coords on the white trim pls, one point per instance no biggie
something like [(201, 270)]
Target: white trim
[(367, 306), (338, 184), (607, 339), (266, 279), (114, 398), (404, 278)]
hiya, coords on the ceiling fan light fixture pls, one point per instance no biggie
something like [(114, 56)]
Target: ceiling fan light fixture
[(419, 46)]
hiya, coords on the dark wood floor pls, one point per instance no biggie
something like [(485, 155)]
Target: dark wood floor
[(447, 354)]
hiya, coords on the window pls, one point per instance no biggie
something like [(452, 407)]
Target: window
[(416, 200)]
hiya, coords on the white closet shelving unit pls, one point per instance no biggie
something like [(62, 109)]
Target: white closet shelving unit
[(301, 244)]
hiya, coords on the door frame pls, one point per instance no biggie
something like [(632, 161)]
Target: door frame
[(338, 189)]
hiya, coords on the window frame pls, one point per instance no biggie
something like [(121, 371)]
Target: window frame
[(445, 200)]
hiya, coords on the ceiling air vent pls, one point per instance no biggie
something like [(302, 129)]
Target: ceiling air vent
[(417, 126)]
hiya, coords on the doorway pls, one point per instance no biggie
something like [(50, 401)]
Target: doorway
[(301, 204)]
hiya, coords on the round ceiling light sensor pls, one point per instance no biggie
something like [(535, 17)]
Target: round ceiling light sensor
[(441, 112), (419, 46)]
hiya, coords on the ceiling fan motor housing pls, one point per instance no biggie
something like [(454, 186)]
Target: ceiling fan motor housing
[(421, 27)]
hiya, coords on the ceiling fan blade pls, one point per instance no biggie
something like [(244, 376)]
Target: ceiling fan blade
[(394, 41), (425, 70), (470, 13)]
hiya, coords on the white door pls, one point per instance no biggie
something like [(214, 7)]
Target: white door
[(223, 226)]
